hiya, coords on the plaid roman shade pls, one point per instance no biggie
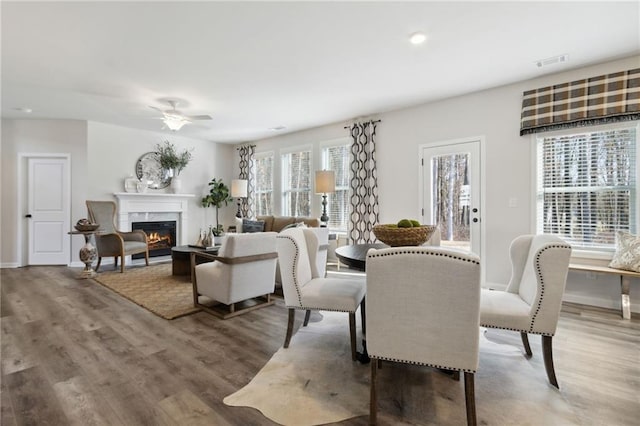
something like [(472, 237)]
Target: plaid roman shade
[(597, 100)]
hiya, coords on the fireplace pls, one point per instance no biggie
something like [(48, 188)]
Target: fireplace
[(161, 236)]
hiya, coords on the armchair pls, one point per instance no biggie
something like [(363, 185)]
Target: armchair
[(110, 241), (532, 301), (243, 269)]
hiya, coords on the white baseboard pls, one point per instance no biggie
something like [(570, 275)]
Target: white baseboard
[(9, 265)]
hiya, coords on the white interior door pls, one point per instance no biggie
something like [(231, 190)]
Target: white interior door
[(452, 192), (48, 211)]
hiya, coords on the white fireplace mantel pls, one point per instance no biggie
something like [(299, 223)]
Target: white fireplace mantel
[(133, 204)]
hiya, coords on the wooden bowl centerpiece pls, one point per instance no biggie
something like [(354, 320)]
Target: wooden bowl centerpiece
[(400, 236), (84, 225)]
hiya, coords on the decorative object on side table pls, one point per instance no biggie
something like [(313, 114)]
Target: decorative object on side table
[(173, 162), (405, 233), (238, 191), (218, 195), (325, 184)]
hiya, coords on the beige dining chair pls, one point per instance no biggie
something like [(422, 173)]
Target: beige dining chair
[(423, 308), (304, 288)]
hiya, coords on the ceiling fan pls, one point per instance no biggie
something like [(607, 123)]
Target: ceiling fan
[(174, 119)]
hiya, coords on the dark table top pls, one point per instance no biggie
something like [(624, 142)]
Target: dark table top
[(355, 255), (191, 249)]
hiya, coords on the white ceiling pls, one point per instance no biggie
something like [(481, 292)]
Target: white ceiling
[(253, 66)]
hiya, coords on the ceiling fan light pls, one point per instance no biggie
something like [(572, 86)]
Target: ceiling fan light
[(174, 123)]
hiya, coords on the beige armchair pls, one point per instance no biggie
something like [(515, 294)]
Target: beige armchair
[(110, 241), (306, 289), (532, 301), (423, 307), (242, 271)]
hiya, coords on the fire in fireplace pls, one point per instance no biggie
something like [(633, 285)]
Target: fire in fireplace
[(161, 236)]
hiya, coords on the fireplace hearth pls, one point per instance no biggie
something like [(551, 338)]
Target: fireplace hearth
[(161, 236)]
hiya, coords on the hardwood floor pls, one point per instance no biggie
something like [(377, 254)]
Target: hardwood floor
[(74, 352)]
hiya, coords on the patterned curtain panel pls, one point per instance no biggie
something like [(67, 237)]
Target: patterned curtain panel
[(364, 183), (248, 172), (597, 100)]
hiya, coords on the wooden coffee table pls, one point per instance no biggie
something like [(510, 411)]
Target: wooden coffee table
[(181, 258)]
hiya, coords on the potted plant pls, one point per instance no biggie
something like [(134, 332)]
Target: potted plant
[(218, 195), (172, 162)]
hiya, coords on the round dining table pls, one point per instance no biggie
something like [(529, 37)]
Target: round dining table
[(355, 255)]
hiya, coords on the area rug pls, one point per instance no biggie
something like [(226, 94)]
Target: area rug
[(153, 288), (315, 382), (312, 382)]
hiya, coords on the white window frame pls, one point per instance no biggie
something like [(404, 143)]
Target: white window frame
[(283, 178), (581, 252), (324, 146), (260, 155)]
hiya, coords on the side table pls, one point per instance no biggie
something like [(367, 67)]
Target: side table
[(88, 254)]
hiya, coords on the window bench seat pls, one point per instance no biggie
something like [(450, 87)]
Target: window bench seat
[(625, 278)]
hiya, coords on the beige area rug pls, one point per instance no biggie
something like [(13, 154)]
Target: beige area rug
[(315, 382), (312, 382), (154, 288)]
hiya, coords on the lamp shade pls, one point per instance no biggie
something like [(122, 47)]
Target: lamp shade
[(239, 188), (325, 181)]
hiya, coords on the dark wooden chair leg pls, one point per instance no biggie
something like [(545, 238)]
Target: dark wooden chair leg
[(373, 396), (146, 257), (292, 317), (547, 354), (307, 315), (352, 332), (470, 398), (363, 316), (525, 343), (98, 264)]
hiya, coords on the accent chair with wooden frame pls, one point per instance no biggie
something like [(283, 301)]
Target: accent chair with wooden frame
[(110, 241), (305, 289), (531, 302), (423, 308), (243, 271)]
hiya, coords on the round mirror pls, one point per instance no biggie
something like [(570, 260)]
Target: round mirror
[(149, 171)]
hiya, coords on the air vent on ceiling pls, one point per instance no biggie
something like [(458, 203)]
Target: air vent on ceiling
[(553, 60)]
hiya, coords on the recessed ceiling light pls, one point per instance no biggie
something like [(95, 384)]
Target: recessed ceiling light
[(417, 38), (277, 128), (26, 110)]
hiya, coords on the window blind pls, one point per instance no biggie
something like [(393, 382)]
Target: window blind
[(336, 158), (296, 193), (597, 100), (587, 186), (264, 184)]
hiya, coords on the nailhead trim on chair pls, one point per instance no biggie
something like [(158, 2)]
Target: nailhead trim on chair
[(293, 272), (422, 363), (428, 253)]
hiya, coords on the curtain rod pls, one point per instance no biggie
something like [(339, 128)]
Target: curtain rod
[(372, 121)]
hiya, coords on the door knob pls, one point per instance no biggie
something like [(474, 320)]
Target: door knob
[(28, 216), (475, 220), (475, 210)]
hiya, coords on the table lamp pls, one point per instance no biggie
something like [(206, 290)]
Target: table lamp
[(239, 190), (325, 183)]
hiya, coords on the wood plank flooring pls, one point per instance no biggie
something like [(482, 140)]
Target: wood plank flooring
[(74, 352)]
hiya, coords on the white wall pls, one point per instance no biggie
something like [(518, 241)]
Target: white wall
[(102, 156), (495, 115)]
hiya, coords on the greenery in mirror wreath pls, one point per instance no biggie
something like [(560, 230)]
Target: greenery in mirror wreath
[(218, 195), (170, 160)]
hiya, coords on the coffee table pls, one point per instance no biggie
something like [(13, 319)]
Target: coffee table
[(355, 255), (181, 258)]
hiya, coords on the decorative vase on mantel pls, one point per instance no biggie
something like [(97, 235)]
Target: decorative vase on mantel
[(176, 184)]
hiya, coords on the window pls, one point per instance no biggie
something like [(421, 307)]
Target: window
[(264, 183), (296, 188), (336, 158), (586, 186)]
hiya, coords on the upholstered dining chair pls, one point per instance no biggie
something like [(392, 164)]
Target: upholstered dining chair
[(532, 300), (305, 289), (110, 241), (243, 269), (423, 307)]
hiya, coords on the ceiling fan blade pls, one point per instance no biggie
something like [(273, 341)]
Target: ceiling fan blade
[(156, 108), (198, 117)]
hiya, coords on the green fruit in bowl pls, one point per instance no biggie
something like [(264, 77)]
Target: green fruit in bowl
[(404, 223), (415, 223)]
